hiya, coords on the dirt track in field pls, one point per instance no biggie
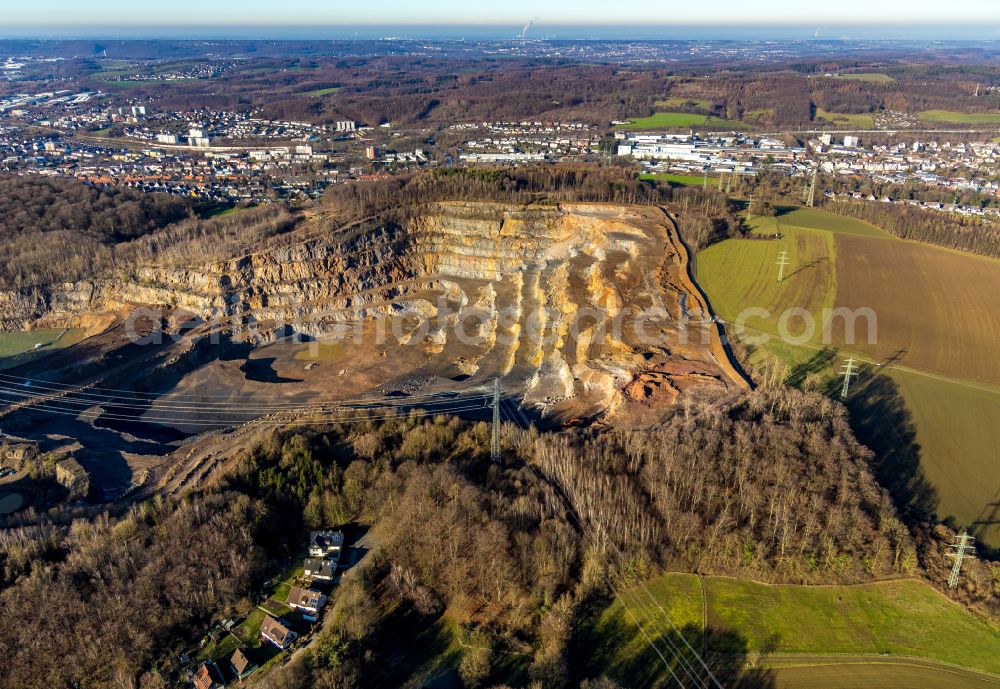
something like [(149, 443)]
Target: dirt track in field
[(863, 672)]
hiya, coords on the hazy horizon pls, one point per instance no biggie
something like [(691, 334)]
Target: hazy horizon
[(534, 31)]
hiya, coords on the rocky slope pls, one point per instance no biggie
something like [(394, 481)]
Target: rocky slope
[(582, 309)]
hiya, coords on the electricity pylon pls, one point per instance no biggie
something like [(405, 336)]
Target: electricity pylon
[(811, 196), (495, 443), (848, 372), (964, 543), (782, 262)]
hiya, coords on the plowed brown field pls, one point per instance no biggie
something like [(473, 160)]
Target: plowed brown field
[(938, 310)]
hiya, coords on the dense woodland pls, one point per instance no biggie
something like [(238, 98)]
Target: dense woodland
[(63, 230), (517, 555), (377, 82), (526, 184), (99, 602), (408, 90), (974, 235), (60, 230), (787, 97), (47, 205), (56, 229), (978, 235)]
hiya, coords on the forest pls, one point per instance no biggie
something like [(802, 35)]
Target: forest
[(409, 90), (515, 554), (377, 82), (974, 235), (55, 229), (64, 230)]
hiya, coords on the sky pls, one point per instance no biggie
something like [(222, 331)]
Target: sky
[(548, 16)]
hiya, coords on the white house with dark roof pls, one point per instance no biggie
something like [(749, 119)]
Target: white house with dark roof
[(326, 544), (321, 569)]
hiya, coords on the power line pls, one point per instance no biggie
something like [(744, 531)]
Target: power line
[(43, 384), (495, 441), (260, 421), (67, 406), (848, 372), (684, 663), (627, 596), (963, 544), (165, 402), (81, 405), (782, 261), (22, 397)]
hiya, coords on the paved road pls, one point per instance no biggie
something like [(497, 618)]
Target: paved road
[(994, 130)]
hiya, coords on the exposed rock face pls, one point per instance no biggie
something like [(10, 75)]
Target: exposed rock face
[(583, 309), (20, 308)]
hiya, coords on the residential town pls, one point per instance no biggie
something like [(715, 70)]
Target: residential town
[(229, 157), (952, 166), (287, 619)]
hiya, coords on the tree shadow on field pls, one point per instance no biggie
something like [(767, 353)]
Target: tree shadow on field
[(807, 266), (882, 422), (988, 518), (820, 361), (661, 656)]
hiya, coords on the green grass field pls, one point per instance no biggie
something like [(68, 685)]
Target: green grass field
[(322, 92), (219, 652), (752, 115), (19, 347), (957, 425), (871, 77), (943, 362), (621, 639), (680, 180), (683, 102), (738, 274), (847, 120), (901, 618), (816, 219), (862, 673), (660, 120), (952, 117), (284, 584)]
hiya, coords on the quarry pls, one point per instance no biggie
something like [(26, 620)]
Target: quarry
[(585, 313)]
